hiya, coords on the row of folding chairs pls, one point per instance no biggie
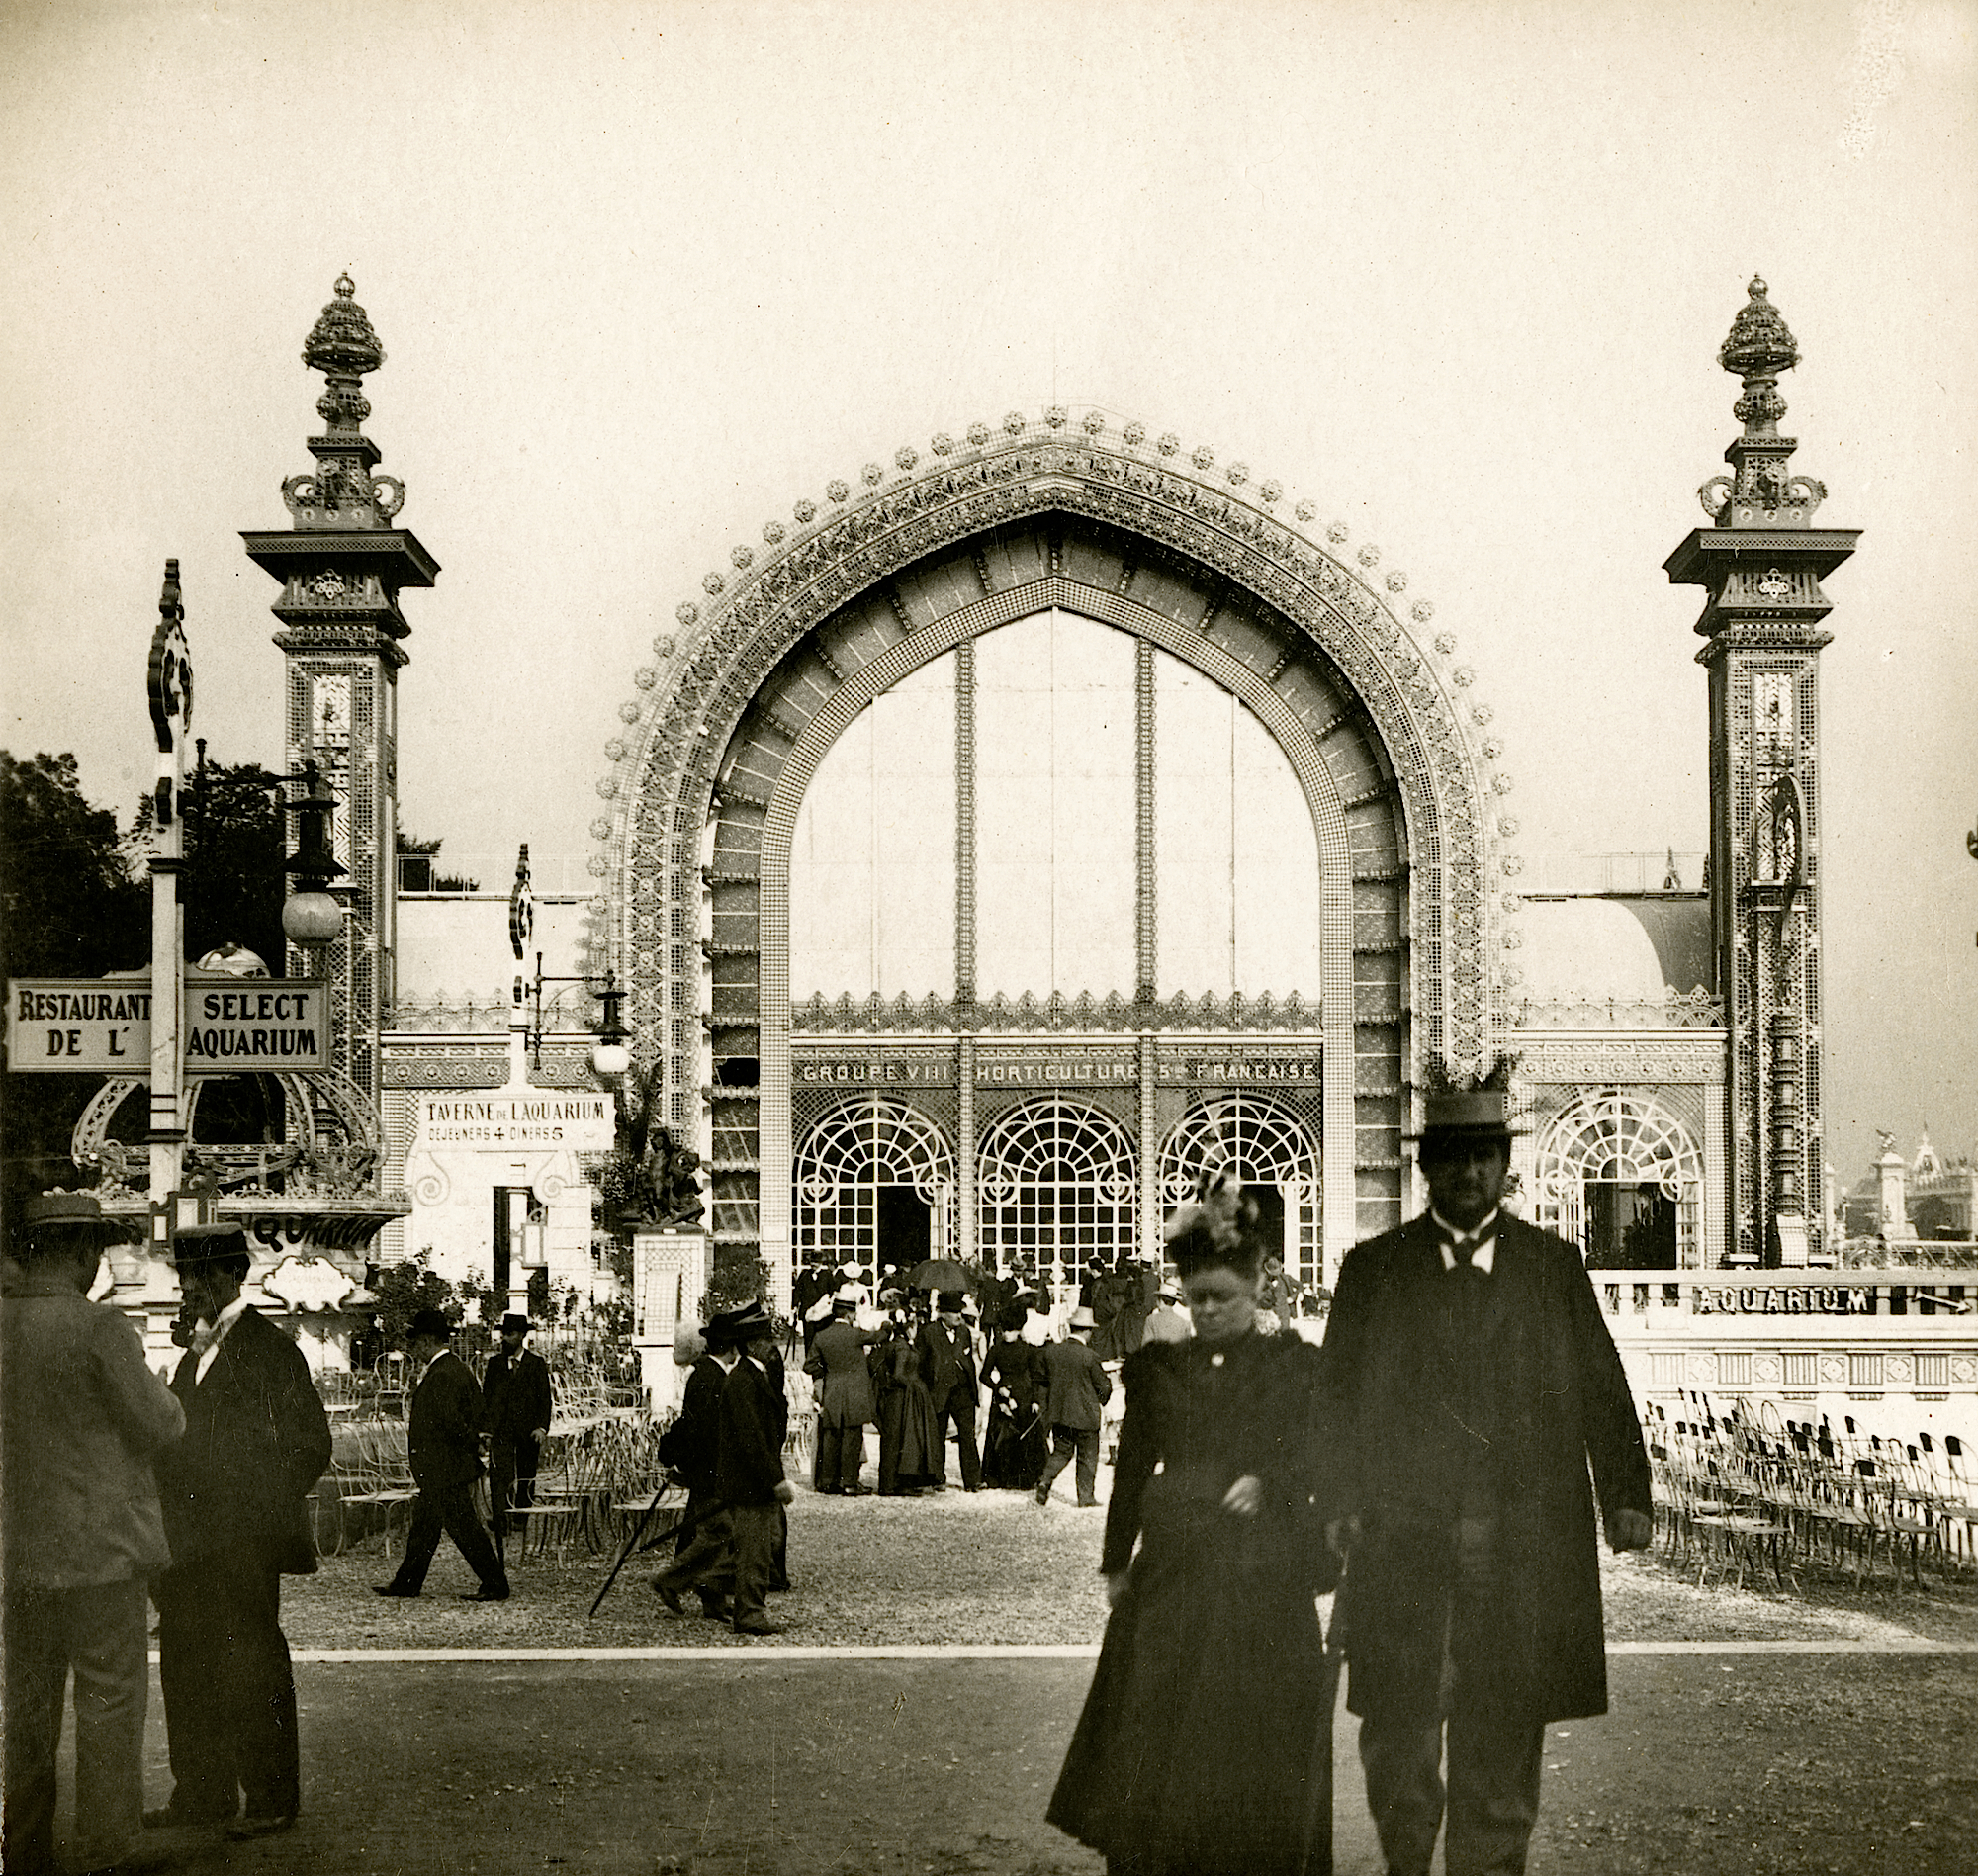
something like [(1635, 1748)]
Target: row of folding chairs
[(1740, 1489)]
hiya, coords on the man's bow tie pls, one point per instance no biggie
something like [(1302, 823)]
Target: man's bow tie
[(1464, 1245)]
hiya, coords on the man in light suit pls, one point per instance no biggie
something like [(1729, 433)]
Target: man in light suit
[(443, 1444), (233, 1491), (82, 1416), (838, 1358), (1470, 1380), (1080, 1387), (946, 1351)]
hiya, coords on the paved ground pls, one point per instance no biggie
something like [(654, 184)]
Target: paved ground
[(445, 1737), (1847, 1764)]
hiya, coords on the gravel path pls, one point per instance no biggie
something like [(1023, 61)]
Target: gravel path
[(991, 1568)]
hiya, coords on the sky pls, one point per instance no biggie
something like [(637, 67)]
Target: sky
[(646, 274)]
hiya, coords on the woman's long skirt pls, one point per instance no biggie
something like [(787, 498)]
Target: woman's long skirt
[(910, 1443), (1206, 1743)]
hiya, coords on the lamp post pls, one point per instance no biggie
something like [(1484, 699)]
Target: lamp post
[(609, 1056), (169, 683), (310, 915)]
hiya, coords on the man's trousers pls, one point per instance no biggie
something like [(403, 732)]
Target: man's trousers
[(99, 1633), (512, 1481), (1495, 1758), (1066, 1441), (959, 1406), (229, 1691), (841, 1455), (448, 1508), (755, 1529)]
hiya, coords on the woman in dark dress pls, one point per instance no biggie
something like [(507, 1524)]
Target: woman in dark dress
[(1204, 1748), (910, 1442), (1018, 1380)]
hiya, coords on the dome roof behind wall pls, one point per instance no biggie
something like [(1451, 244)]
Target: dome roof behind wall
[(1597, 950)]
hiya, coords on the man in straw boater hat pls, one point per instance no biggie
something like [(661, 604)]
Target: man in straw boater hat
[(80, 1416), (1074, 1404), (257, 1441), (846, 1408), (1469, 1380)]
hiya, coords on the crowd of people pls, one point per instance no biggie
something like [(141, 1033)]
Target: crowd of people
[(1446, 1458)]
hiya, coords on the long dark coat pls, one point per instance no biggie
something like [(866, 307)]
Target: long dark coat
[(1203, 1745), (443, 1426), (1399, 1451), (751, 1423), (516, 1396), (839, 1356), (256, 1440)]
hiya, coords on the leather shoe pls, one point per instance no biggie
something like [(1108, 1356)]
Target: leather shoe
[(670, 1597), (485, 1594), (720, 1610), (241, 1828), (761, 1626), (391, 1589)]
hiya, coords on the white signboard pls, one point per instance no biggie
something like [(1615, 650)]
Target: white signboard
[(518, 1120), (86, 1025)]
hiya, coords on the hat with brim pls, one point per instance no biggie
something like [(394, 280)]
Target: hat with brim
[(1481, 1114), (68, 1212), (512, 1322), (195, 1244), (731, 1328), (1082, 1319), (1171, 1293), (848, 1296), (428, 1325)]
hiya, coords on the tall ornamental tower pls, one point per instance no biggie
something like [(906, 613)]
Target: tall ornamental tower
[(341, 564), (1762, 561)]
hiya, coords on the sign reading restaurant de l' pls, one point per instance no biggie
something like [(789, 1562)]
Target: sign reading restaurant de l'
[(78, 1025)]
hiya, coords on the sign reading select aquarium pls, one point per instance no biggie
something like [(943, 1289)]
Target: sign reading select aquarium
[(93, 1025)]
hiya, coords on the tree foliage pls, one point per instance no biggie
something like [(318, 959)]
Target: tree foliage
[(404, 1290), (69, 907), (235, 843)]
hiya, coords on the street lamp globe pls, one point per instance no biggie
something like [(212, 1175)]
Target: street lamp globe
[(610, 1059), (312, 917)]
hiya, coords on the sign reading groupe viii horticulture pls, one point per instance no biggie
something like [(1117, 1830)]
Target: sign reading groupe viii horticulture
[(1009, 1068), (95, 1026)]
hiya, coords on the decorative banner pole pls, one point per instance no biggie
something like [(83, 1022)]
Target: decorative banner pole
[(170, 686)]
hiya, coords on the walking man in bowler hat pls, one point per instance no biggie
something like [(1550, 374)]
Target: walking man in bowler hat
[(443, 1444), (1470, 1380), (515, 1409)]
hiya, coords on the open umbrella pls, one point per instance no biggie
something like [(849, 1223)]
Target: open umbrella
[(940, 1272)]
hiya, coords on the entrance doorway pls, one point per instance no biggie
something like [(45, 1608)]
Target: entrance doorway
[(905, 1227), (1629, 1226)]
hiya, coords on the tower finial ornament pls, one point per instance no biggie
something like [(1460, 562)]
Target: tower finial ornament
[(343, 493), (1761, 491)]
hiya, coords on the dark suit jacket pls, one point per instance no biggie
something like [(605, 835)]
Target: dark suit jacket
[(1397, 1451), (839, 1356), (256, 1440), (514, 1397), (691, 1443), (948, 1359), (442, 1436), (748, 1462), (1079, 1385)]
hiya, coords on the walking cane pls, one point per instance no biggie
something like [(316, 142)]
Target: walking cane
[(631, 1545)]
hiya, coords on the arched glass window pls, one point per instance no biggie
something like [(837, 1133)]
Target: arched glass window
[(1620, 1176), (874, 1186), (1056, 1190), (1271, 1150)]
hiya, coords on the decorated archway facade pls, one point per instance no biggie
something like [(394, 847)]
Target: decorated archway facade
[(1625, 1140), (766, 671)]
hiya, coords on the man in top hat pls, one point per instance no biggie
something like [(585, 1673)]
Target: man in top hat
[(946, 1348), (838, 1358), (516, 1406), (689, 1448), (443, 1446), (735, 1543), (1470, 1380), (1074, 1407), (257, 1441), (80, 1416)]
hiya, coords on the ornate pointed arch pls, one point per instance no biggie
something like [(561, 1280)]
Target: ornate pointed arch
[(783, 648)]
